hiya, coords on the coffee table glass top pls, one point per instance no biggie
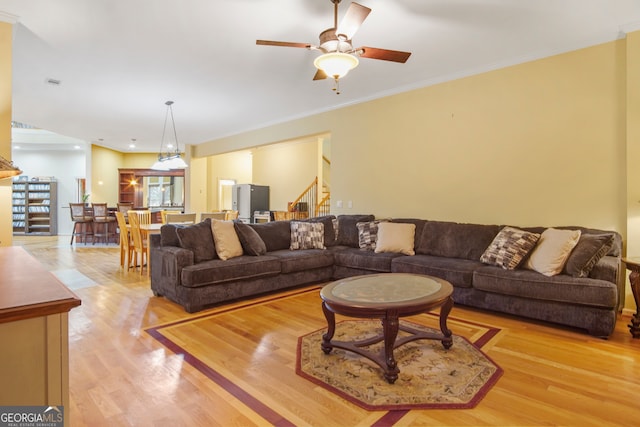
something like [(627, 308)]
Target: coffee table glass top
[(384, 288)]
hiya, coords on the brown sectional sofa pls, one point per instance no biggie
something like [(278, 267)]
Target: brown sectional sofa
[(195, 278)]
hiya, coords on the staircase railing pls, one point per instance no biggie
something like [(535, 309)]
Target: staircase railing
[(307, 204)]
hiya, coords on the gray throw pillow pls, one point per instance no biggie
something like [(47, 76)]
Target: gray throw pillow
[(199, 239), (251, 242), (589, 250)]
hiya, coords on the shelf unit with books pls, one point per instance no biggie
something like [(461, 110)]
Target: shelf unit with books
[(35, 207)]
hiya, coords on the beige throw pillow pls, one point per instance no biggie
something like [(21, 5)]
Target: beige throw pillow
[(552, 251), (226, 239), (396, 237)]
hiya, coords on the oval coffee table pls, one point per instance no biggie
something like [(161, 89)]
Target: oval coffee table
[(386, 296)]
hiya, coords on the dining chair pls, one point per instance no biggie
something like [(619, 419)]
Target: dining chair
[(230, 215), (101, 221), (144, 216), (180, 218), (212, 215), (140, 244), (126, 242), (163, 216), (81, 222)]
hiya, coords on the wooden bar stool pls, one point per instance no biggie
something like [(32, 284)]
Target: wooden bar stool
[(81, 222), (102, 221)]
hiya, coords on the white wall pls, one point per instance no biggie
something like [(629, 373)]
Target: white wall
[(65, 166)]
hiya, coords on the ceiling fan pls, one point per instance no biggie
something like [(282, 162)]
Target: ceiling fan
[(339, 55)]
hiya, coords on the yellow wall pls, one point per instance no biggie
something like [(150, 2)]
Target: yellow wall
[(235, 165), (198, 187), (287, 169), (6, 217)]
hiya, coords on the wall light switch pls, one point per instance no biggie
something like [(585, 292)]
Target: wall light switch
[(339, 203), (349, 204)]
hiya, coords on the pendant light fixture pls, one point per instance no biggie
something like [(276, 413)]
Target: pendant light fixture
[(7, 169), (169, 159)]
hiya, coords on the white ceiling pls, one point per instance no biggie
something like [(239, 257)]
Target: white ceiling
[(118, 61)]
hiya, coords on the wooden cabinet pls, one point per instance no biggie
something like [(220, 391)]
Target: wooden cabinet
[(127, 184), (35, 207)]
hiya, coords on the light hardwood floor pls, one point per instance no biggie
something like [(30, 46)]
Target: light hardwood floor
[(120, 375)]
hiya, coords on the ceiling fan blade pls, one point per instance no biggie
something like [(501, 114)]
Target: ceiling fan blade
[(355, 16), (384, 54), (320, 75), (283, 44)]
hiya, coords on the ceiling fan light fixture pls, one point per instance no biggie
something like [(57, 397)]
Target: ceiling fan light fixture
[(336, 64)]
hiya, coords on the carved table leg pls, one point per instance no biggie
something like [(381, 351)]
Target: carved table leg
[(447, 341), (331, 329), (634, 326), (390, 325)]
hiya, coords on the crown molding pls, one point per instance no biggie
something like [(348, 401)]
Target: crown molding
[(8, 17), (630, 27)]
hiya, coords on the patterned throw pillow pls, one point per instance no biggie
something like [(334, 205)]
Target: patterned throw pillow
[(307, 235), (367, 234), (509, 248)]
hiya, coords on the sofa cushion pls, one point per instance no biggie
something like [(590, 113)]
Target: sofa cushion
[(306, 235), (552, 250), (364, 260), (235, 269), (509, 247), (454, 240), (226, 239), (561, 288), (252, 243), (457, 271), (199, 239), (347, 229), (396, 237), (309, 259), (276, 235), (589, 250)]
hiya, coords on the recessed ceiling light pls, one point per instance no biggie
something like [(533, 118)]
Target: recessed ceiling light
[(76, 147)]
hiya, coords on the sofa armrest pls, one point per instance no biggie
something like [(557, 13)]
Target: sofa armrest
[(167, 263), (610, 268)]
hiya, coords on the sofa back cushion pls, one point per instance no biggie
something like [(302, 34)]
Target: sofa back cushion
[(199, 239), (347, 229), (169, 235), (276, 235), (454, 240)]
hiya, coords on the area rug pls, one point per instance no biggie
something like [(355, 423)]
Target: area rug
[(430, 376)]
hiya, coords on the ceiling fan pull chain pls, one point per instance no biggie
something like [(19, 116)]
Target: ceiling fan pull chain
[(336, 87)]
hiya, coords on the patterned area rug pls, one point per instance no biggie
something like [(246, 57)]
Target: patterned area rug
[(430, 376)]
